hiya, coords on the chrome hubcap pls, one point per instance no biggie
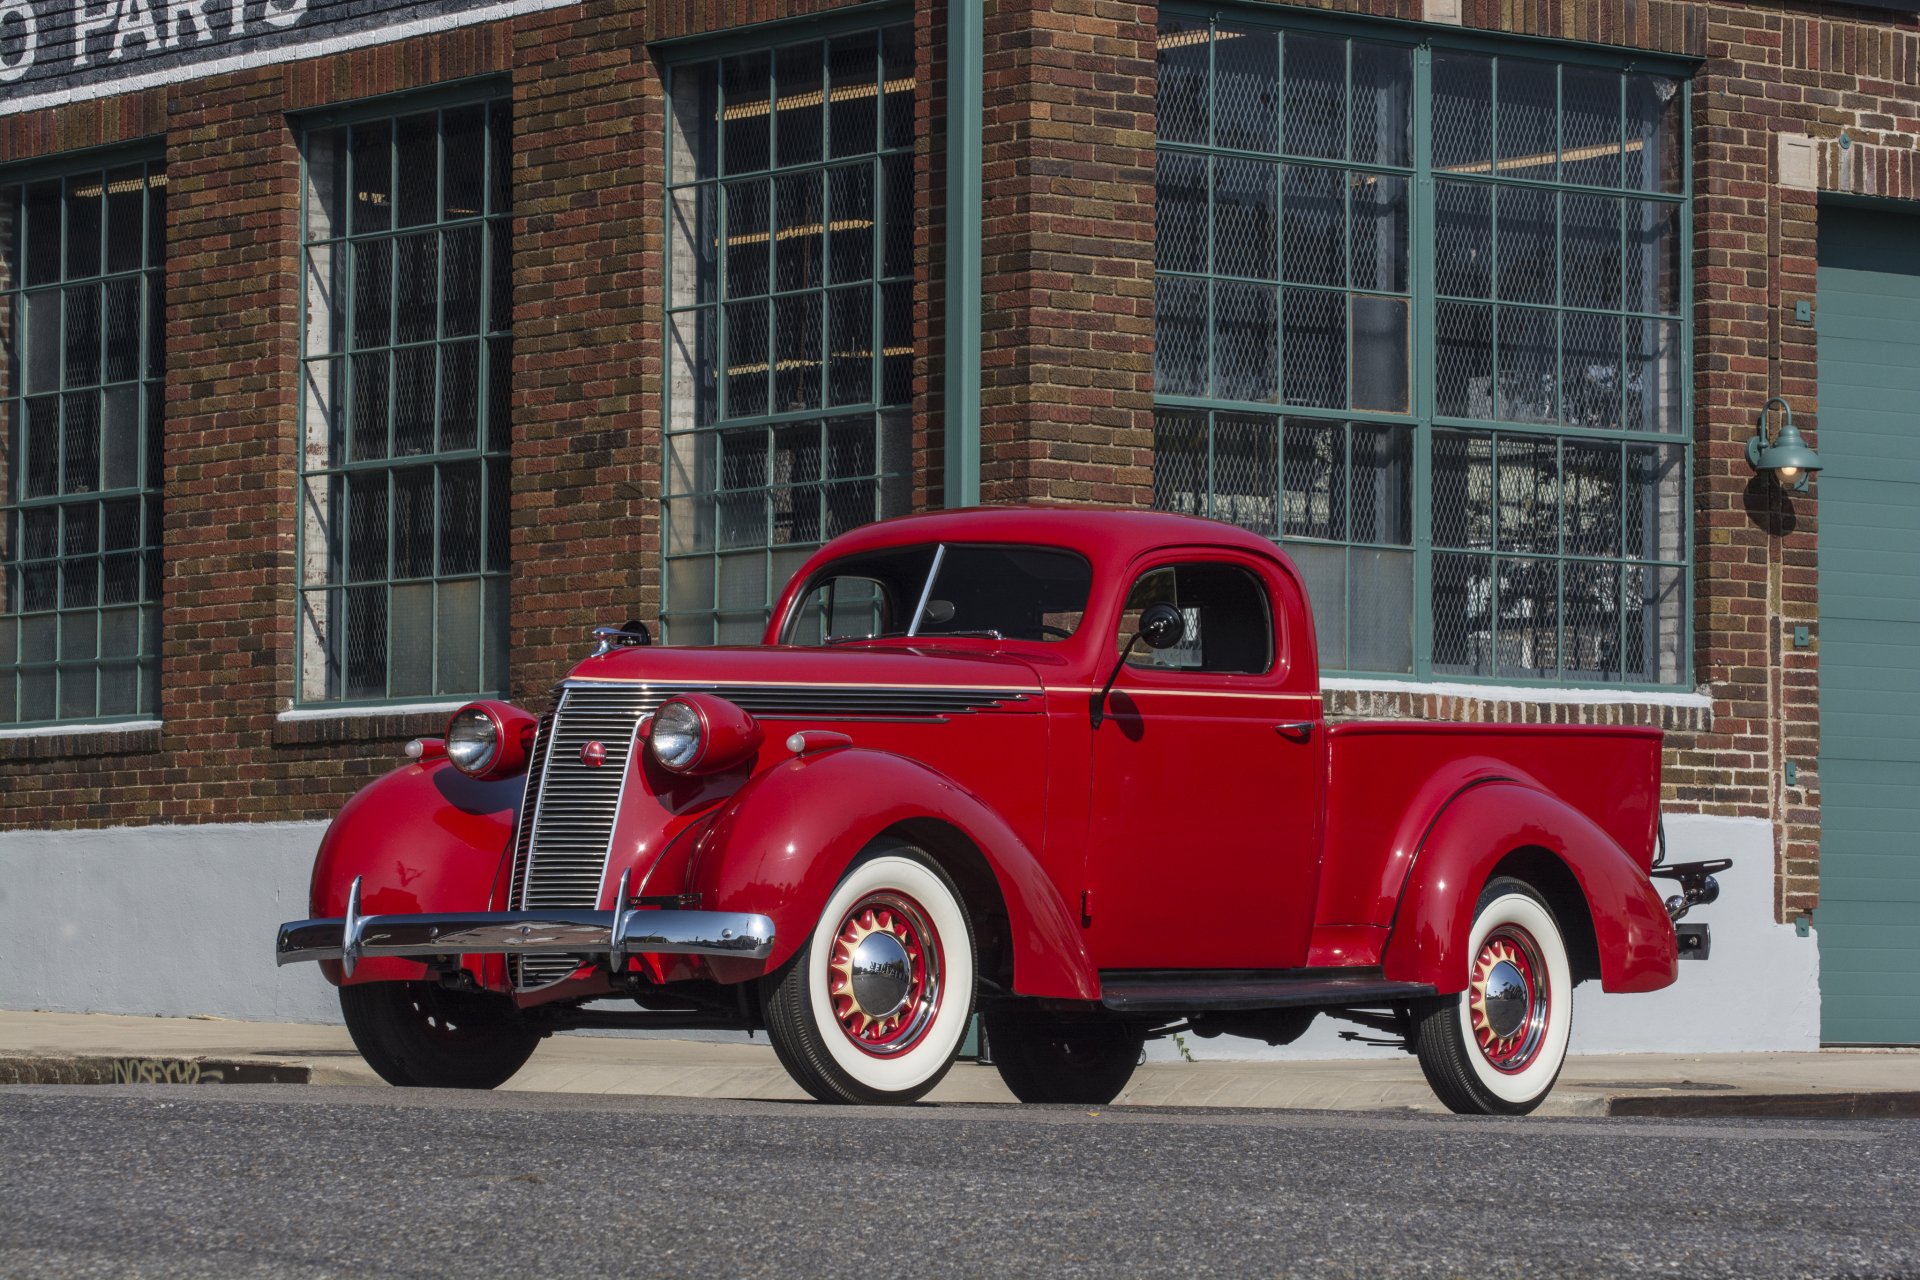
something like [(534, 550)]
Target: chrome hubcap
[(882, 975), (1506, 1000)]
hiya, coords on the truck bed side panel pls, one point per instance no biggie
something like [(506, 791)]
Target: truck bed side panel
[(1387, 782)]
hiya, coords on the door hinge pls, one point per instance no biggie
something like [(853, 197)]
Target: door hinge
[(1086, 908)]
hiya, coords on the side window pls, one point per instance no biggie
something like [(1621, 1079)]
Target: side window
[(1229, 619)]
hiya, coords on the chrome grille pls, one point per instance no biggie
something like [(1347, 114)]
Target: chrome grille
[(567, 819), (566, 823)]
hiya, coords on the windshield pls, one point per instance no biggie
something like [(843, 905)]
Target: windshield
[(944, 589)]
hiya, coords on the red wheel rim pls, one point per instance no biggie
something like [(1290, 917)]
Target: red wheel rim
[(894, 928), (1508, 999)]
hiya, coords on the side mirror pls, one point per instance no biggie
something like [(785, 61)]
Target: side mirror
[(1162, 626)]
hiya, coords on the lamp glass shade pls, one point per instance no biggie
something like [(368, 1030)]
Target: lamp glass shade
[(1789, 455)]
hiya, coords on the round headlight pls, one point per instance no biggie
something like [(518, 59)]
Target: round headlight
[(473, 740), (677, 733)]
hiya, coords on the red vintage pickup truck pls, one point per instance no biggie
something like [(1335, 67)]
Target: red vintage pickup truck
[(1065, 766)]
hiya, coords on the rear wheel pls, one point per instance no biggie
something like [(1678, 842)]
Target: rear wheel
[(1497, 1047), (1046, 1058), (421, 1034), (875, 1004)]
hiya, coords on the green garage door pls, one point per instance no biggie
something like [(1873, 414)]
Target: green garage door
[(1869, 914)]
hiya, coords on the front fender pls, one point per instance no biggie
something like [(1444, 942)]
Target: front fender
[(1480, 827), (783, 842), (424, 838)]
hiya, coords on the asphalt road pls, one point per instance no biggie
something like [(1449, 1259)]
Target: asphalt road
[(289, 1181)]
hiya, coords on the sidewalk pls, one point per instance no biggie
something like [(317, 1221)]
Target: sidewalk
[(56, 1048)]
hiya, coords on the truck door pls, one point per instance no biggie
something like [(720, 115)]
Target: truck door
[(1204, 849)]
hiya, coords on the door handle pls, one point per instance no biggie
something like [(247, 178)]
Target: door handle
[(1298, 730)]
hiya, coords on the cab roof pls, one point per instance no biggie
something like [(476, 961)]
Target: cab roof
[(1103, 535)]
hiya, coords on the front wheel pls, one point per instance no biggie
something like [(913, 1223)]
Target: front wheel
[(420, 1034), (1497, 1047), (1043, 1058), (875, 1004)]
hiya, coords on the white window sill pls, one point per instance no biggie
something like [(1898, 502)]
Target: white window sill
[(368, 713), (70, 730), (1583, 695)]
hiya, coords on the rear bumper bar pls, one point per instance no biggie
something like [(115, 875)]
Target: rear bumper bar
[(560, 932)]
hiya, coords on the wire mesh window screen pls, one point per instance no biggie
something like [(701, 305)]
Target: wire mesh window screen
[(790, 265), (1372, 262), (81, 357), (407, 357)]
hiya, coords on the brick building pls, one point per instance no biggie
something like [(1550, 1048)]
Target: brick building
[(360, 355)]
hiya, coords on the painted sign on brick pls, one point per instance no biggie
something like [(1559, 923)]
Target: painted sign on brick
[(53, 51)]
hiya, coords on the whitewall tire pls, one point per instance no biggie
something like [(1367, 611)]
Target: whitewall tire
[(874, 1006), (1497, 1047)]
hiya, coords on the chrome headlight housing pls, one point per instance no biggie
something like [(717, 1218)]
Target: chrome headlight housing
[(678, 735), (473, 739)]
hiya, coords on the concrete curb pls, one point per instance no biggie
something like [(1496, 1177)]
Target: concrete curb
[(99, 1069), (1775, 1105), (1628, 1101)]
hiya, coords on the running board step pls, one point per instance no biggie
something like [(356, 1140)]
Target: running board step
[(1187, 991)]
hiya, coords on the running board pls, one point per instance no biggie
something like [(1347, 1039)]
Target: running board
[(1197, 990)]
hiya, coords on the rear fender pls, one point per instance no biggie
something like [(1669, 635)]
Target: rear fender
[(1479, 828), (424, 838), (784, 841)]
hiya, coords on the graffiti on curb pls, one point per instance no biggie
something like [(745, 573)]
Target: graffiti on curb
[(164, 1071)]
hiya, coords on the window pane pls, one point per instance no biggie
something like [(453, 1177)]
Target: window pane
[(1382, 104), (1379, 226), (1315, 106), (1551, 296), (1527, 116), (1180, 206), (1529, 365), (1462, 112), (1246, 471), (1245, 339), (80, 301), (1314, 207), (415, 381), (1382, 372), (1590, 126), (1315, 355), (1244, 221), (1246, 96)]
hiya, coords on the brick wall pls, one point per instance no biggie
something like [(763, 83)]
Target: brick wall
[(1067, 395), (1067, 253)]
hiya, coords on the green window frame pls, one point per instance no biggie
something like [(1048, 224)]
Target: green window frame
[(1422, 311), (790, 206), (406, 341), (82, 338)]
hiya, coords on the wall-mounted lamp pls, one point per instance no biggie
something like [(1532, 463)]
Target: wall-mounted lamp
[(1789, 457)]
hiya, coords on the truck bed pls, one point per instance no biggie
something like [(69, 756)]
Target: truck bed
[(1387, 781)]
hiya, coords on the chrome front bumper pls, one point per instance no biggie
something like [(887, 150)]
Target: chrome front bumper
[(563, 932)]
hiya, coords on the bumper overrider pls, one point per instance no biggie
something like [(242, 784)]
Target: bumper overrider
[(562, 931)]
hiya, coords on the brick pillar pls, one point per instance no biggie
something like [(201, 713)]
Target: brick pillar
[(1067, 253), (231, 449), (588, 229)]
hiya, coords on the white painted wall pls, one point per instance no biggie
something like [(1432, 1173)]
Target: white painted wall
[(1760, 991), (181, 920), (158, 920)]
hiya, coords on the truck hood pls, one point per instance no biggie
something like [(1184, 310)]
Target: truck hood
[(850, 667)]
